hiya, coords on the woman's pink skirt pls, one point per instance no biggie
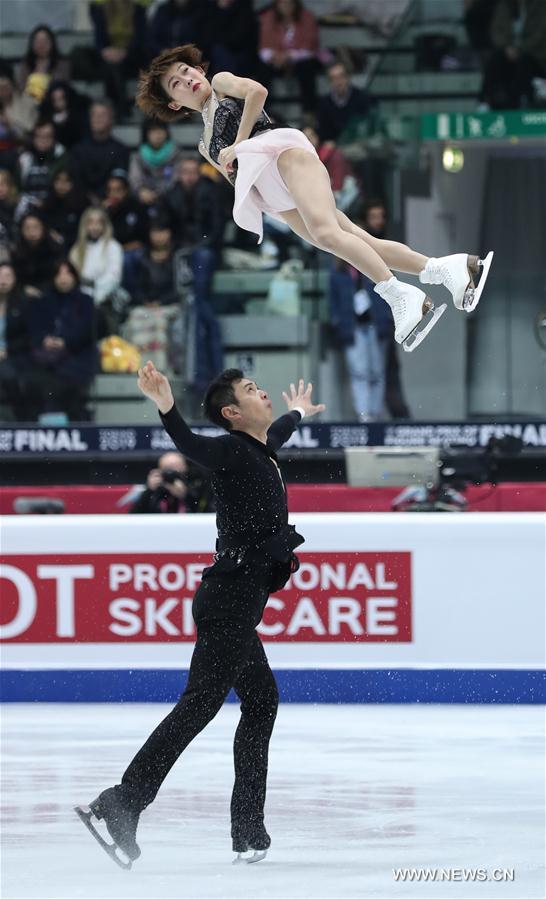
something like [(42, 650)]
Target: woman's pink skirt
[(259, 186)]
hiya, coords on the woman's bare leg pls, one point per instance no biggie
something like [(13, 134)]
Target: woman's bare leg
[(315, 218), (309, 183), (396, 255)]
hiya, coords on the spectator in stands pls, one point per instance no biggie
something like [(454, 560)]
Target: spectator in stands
[(98, 258), (477, 21), (343, 103), (346, 187), (42, 64), (174, 487), (338, 167), (100, 153), (166, 486), (175, 23), (9, 201), (66, 109), (129, 222), (375, 223), (352, 309), (153, 166), (35, 254), (518, 35), (364, 327), (63, 207), (64, 353), (156, 280), (120, 40), (194, 208), (14, 343), (231, 37), (38, 165), (289, 45), (18, 112)]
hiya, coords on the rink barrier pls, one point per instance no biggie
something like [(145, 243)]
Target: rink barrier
[(116, 499), (384, 608), (402, 685)]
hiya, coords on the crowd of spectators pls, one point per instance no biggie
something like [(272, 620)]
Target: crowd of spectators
[(90, 228), (510, 39)]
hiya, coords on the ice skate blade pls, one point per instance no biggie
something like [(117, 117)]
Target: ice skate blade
[(418, 334), (245, 858), (473, 294), (110, 848)]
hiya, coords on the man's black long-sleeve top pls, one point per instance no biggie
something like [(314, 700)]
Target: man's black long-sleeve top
[(249, 489)]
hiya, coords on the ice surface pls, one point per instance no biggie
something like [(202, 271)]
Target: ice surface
[(353, 792)]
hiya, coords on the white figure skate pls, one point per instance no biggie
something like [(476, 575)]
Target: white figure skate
[(414, 313), (458, 274), (250, 857)]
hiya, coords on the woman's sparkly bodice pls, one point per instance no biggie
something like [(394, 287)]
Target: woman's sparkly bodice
[(222, 119)]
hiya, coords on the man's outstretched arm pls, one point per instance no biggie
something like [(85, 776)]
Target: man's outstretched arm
[(209, 452), (299, 406)]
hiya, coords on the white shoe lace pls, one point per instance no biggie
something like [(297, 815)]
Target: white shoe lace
[(439, 274), (397, 302)]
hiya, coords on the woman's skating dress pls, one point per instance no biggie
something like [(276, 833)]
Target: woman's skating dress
[(259, 186)]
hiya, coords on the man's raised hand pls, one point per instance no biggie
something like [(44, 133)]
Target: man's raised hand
[(302, 398), (155, 386)]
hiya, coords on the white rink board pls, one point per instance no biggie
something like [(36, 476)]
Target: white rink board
[(478, 590)]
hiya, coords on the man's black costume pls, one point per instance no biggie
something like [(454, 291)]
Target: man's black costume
[(254, 558)]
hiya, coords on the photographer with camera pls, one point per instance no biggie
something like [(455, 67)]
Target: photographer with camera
[(166, 486)]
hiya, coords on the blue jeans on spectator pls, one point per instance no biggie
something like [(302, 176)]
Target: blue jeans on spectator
[(203, 262), (366, 362), (131, 259), (209, 350)]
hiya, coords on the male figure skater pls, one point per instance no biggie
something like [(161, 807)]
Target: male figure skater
[(255, 557)]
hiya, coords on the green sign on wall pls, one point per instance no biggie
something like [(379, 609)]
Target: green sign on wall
[(484, 125)]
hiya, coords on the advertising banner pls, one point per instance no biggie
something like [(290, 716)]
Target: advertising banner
[(85, 440), (399, 595)]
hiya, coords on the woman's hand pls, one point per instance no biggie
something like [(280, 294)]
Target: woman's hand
[(156, 387), (226, 158), (302, 398)]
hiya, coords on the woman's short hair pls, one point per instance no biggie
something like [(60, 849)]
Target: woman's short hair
[(151, 98)]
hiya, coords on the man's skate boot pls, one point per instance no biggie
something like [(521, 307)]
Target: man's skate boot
[(463, 275), (250, 844), (414, 313), (121, 822)]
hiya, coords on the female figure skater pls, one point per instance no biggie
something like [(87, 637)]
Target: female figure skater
[(277, 170)]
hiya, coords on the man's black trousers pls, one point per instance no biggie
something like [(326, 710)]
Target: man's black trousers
[(228, 653)]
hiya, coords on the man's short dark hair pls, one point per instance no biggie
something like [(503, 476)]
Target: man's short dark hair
[(221, 393)]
